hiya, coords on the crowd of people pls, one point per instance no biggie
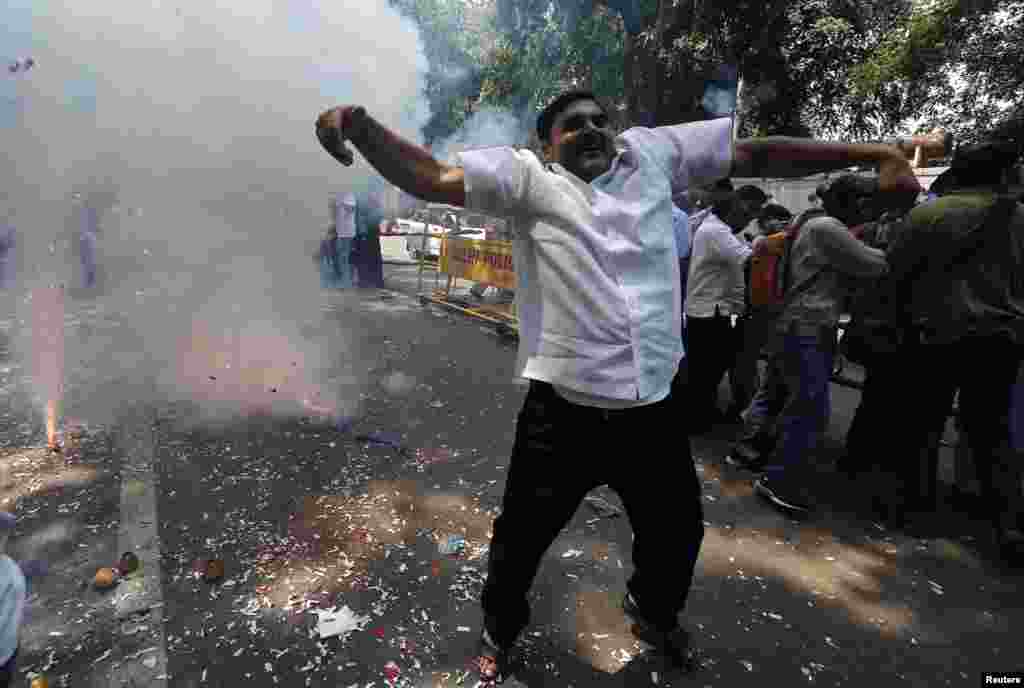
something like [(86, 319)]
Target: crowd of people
[(611, 273), (930, 322)]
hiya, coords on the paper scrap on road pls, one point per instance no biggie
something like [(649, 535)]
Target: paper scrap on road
[(339, 622), (603, 507)]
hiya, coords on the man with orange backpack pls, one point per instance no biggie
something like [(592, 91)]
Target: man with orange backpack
[(820, 266)]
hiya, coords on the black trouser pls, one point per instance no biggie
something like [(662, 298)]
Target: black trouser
[(8, 669), (367, 259), (984, 370), (561, 452), (880, 403), (712, 352)]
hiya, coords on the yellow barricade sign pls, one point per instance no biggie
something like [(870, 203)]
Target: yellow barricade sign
[(488, 262)]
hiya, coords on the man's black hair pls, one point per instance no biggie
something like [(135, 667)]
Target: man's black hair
[(846, 197), (984, 164), (547, 118), (749, 192), (774, 211)]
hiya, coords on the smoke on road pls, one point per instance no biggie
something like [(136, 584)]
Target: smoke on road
[(195, 123)]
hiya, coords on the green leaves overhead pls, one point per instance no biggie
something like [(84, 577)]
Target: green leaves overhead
[(952, 63), (835, 68)]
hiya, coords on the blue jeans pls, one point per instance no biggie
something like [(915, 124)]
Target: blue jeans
[(805, 364)]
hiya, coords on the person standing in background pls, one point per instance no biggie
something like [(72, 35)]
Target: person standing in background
[(87, 239), (366, 256), (715, 295), (8, 241), (328, 259), (343, 215)]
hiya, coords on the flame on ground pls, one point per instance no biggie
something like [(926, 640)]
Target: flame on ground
[(48, 345), (51, 425)]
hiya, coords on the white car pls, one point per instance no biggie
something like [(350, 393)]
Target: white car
[(414, 244)]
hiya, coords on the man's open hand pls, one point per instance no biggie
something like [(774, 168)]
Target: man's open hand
[(333, 128)]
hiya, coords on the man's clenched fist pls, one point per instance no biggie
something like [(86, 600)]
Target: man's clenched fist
[(333, 128)]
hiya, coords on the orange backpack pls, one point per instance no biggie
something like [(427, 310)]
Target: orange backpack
[(768, 275), (765, 283)]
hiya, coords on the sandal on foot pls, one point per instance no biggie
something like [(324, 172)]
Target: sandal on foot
[(491, 661)]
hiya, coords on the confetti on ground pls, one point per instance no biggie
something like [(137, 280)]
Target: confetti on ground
[(341, 622), (603, 507)]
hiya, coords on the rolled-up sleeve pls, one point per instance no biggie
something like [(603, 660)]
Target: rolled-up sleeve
[(693, 154), (497, 180)]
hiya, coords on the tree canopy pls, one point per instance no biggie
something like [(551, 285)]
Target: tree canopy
[(958, 64), (837, 68)]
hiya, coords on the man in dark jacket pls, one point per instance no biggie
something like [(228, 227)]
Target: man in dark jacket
[(968, 310)]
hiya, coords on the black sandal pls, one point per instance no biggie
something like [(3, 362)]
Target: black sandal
[(491, 661)]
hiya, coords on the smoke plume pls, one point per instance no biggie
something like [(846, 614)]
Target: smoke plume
[(195, 121)]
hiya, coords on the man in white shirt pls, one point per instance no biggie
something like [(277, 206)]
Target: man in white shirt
[(714, 299), (343, 216), (600, 310)]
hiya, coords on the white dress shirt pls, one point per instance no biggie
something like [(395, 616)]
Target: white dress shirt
[(716, 268), (597, 268), (345, 215)]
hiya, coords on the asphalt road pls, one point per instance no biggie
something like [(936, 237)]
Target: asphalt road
[(308, 514)]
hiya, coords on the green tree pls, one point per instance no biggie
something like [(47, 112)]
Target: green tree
[(452, 52), (958, 64), (655, 57)]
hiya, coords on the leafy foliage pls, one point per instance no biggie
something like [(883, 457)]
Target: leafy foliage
[(958, 64), (836, 68), (452, 52)]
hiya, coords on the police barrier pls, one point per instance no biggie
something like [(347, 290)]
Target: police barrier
[(484, 262)]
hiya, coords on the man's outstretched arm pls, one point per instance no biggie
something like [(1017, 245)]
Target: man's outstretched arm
[(401, 162), (783, 156)]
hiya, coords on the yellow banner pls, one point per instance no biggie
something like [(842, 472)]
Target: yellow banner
[(489, 262)]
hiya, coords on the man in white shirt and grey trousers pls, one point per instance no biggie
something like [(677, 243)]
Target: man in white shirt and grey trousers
[(599, 308)]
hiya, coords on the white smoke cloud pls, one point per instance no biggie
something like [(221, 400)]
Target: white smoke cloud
[(487, 127), (200, 116)]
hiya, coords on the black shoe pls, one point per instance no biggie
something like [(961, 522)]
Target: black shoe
[(1009, 538), (745, 456), (786, 500), (1011, 546), (492, 661), (673, 644)]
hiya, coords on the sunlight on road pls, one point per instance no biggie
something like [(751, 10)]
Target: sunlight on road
[(835, 573), (333, 538), (36, 471)]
